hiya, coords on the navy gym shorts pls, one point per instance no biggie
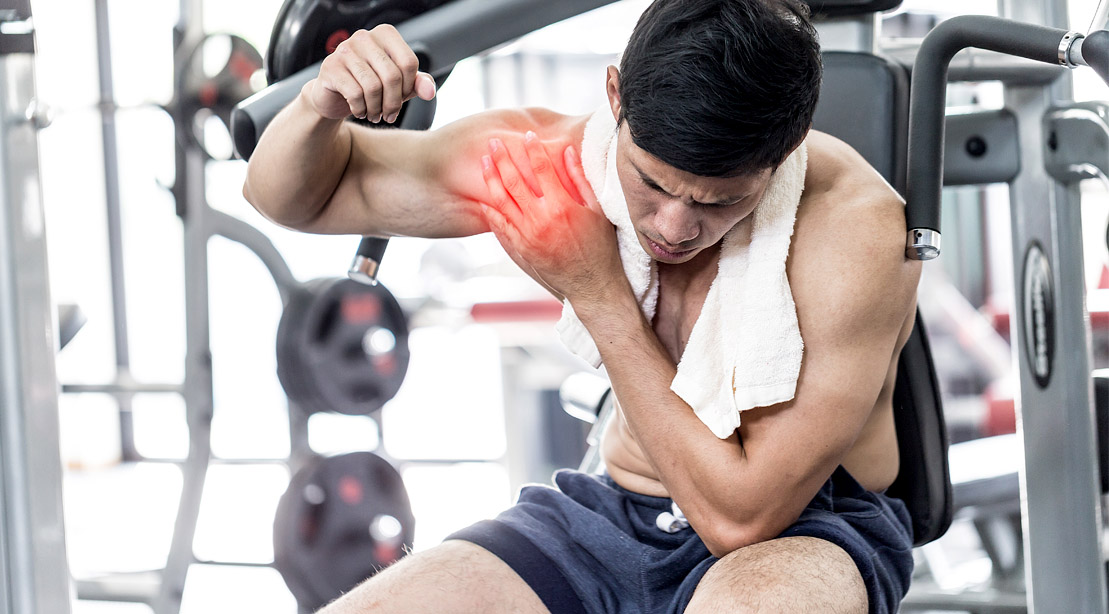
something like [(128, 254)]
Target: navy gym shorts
[(590, 546)]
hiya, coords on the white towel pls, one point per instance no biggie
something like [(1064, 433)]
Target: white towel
[(745, 348)]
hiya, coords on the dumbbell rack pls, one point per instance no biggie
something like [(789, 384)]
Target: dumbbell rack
[(163, 589)]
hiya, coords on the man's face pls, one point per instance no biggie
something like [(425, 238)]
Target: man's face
[(676, 214)]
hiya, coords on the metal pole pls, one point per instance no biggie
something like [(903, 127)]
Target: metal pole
[(1101, 17), (34, 574), (189, 190), (115, 226), (1060, 502)]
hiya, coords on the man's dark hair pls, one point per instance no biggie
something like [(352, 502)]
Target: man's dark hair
[(720, 88)]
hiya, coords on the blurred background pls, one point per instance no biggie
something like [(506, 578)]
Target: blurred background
[(477, 414)]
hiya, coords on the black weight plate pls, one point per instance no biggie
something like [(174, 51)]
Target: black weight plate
[(219, 92), (342, 519), (291, 371), (306, 31), (344, 348)]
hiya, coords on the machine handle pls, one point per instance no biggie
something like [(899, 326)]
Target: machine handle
[(367, 261), (928, 101), (1095, 53)]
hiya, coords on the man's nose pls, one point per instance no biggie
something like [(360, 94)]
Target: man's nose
[(676, 223)]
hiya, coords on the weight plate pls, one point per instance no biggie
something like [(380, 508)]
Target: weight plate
[(341, 520), (342, 346), (215, 75), (306, 31)]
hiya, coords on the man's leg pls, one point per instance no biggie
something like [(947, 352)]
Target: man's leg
[(792, 574), (454, 577)]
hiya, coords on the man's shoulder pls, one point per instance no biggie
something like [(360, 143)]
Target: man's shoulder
[(848, 251), (517, 120), (846, 199)]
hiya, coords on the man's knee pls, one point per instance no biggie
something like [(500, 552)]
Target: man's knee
[(797, 574), (455, 576)]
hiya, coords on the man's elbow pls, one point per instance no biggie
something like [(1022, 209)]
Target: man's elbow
[(722, 541), (258, 200), (722, 537)]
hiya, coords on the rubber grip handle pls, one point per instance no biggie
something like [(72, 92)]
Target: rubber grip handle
[(929, 90), (1095, 50)]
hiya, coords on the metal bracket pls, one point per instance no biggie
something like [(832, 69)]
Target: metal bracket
[(1076, 143), (39, 114), (981, 147), (922, 244)]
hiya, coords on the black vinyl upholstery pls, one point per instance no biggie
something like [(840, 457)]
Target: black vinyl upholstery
[(924, 482), (864, 101), (1101, 406), (843, 8)]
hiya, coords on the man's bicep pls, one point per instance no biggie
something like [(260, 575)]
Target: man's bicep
[(851, 323), (408, 183), (837, 389)]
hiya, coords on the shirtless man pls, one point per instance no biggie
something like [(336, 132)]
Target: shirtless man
[(784, 515)]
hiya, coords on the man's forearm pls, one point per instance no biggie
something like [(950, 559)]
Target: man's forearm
[(298, 164), (701, 472)]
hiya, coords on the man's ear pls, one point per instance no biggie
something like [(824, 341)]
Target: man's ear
[(612, 88)]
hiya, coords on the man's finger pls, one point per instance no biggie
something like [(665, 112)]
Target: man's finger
[(392, 83), (425, 86), (541, 165), (402, 55), (352, 91), (510, 176), (500, 200), (506, 233)]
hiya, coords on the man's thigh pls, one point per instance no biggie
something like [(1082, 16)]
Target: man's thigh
[(454, 577), (792, 574)]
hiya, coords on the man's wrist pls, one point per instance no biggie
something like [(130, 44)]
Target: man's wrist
[(304, 101), (616, 311)]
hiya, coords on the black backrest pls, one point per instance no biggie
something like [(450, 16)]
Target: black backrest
[(864, 101), (842, 8), (924, 482), (1101, 407)]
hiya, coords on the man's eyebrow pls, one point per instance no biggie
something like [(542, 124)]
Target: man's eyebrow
[(725, 202), (646, 179)]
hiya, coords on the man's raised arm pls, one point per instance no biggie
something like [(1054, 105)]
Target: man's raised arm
[(315, 172)]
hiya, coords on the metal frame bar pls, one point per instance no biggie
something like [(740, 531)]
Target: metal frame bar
[(117, 274), (34, 576), (1061, 503), (1060, 488)]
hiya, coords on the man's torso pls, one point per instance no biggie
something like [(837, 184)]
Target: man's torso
[(872, 460)]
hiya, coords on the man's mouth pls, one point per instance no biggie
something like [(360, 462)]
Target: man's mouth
[(667, 252)]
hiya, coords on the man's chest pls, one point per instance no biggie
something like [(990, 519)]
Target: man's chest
[(680, 301)]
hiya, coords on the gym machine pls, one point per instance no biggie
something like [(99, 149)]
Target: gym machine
[(1060, 483), (34, 576)]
